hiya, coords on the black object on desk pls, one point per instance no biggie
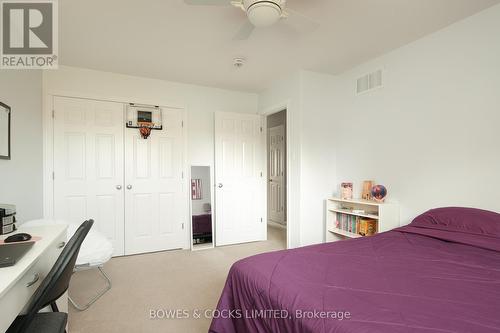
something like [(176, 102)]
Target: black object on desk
[(21, 237), (10, 253)]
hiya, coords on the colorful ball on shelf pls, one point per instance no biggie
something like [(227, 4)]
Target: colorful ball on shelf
[(379, 192)]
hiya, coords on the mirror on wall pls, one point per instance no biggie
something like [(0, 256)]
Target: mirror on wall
[(4, 131), (201, 207)]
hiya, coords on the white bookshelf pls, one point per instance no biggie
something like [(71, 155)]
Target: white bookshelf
[(386, 214)]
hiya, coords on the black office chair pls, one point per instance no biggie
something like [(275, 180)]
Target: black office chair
[(52, 287)]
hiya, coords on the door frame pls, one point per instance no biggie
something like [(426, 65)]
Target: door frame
[(268, 135), (48, 145), (285, 106)]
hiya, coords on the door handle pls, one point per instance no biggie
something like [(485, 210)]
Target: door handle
[(129, 187), (220, 185), (118, 187)]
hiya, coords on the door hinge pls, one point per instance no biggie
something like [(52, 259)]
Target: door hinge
[(53, 114), (53, 175), (261, 220), (261, 175), (182, 226), (182, 123), (261, 129), (182, 173)]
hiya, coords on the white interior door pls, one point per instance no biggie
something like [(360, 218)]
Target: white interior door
[(238, 178), (155, 190), (276, 188), (88, 165)]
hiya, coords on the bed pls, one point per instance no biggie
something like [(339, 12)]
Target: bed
[(441, 273)]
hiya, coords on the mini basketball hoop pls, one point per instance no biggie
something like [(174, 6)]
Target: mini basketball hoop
[(145, 129), (144, 117)]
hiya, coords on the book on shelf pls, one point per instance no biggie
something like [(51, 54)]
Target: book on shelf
[(356, 224)]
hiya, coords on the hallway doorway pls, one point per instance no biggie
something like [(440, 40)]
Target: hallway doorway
[(276, 170)]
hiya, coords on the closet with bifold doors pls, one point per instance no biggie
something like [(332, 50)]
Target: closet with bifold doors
[(123, 166)]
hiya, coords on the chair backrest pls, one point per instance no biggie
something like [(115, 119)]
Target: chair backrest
[(57, 281)]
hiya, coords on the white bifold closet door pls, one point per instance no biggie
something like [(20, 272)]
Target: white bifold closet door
[(133, 188), (240, 187), (88, 165), (155, 192)]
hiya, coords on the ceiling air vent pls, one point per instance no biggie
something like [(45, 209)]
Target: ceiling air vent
[(369, 82)]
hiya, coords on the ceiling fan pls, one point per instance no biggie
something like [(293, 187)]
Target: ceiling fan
[(260, 13)]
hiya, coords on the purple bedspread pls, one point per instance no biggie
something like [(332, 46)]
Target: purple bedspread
[(407, 280)]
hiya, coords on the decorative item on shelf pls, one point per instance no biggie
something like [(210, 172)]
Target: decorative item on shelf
[(367, 190), (379, 192), (367, 227), (346, 191)]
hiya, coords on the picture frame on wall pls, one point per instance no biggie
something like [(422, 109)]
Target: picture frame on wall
[(5, 128)]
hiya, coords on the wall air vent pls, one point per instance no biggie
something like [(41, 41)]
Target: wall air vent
[(369, 82)]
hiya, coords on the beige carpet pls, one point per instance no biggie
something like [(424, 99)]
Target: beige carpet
[(172, 280)]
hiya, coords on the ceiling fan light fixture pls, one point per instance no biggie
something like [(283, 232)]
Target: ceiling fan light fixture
[(264, 13)]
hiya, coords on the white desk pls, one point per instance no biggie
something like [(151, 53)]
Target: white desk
[(14, 292)]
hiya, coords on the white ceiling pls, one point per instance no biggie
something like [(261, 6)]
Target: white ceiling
[(167, 39)]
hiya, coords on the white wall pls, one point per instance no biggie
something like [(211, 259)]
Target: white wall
[(312, 165), (21, 177), (431, 134), (318, 172)]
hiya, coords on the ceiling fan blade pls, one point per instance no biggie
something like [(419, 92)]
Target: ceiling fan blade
[(301, 23), (208, 2), (245, 31)]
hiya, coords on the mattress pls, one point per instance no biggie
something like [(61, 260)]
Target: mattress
[(406, 280)]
